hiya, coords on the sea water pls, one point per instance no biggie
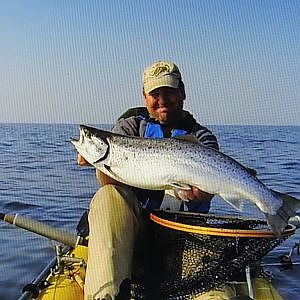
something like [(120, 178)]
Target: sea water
[(39, 179)]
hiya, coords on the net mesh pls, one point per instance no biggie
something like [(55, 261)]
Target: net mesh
[(185, 264)]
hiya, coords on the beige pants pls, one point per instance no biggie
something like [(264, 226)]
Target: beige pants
[(114, 221)]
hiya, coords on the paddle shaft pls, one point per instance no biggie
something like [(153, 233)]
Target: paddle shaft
[(45, 230)]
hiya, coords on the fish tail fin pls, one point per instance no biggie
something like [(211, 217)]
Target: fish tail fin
[(279, 221)]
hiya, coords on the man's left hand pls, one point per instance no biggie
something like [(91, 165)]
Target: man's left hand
[(194, 194)]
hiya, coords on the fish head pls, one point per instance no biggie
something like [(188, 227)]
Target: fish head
[(92, 145)]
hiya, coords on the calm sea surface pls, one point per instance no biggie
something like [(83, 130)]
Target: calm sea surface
[(39, 178)]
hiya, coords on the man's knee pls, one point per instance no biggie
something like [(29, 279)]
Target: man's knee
[(105, 190), (114, 196), (104, 196)]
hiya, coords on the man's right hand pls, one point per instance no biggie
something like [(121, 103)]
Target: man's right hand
[(81, 161), (102, 178)]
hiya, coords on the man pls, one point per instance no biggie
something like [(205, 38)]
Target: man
[(116, 210)]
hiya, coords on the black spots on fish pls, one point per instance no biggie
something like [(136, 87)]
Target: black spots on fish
[(208, 154)]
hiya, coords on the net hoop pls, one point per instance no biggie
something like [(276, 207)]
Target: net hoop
[(254, 233)]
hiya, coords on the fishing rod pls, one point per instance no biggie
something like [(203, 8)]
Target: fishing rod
[(45, 230)]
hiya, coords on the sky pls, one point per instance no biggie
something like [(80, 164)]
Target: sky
[(82, 61)]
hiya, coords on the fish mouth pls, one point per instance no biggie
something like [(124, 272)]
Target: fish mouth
[(74, 141), (83, 133)]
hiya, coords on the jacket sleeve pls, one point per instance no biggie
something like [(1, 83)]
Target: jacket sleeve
[(206, 137), (127, 126), (203, 134)]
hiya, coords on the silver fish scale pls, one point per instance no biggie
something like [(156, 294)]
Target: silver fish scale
[(135, 167)]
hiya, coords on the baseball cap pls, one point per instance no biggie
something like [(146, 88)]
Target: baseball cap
[(161, 73)]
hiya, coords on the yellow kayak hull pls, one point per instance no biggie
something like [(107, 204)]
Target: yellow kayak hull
[(263, 289), (70, 284)]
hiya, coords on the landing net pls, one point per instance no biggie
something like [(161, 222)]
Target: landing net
[(198, 252)]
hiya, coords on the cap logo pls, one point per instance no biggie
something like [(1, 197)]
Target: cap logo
[(158, 69)]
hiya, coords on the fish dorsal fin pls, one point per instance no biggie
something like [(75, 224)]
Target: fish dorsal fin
[(233, 199), (188, 138), (251, 171)]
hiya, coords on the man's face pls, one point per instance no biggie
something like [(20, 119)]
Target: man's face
[(164, 104)]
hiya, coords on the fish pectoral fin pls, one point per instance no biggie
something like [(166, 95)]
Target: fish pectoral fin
[(170, 193), (180, 186), (107, 170), (234, 200), (252, 172)]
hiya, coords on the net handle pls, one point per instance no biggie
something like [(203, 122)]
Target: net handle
[(290, 229)]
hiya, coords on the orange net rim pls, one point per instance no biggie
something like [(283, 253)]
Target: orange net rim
[(290, 229)]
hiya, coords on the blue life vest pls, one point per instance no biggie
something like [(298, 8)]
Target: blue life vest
[(154, 130)]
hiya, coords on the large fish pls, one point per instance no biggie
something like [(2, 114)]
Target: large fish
[(170, 163)]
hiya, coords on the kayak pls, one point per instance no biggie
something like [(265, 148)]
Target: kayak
[(63, 278), (69, 284)]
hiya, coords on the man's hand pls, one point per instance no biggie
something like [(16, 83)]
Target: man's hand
[(81, 161), (102, 178), (194, 194)]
